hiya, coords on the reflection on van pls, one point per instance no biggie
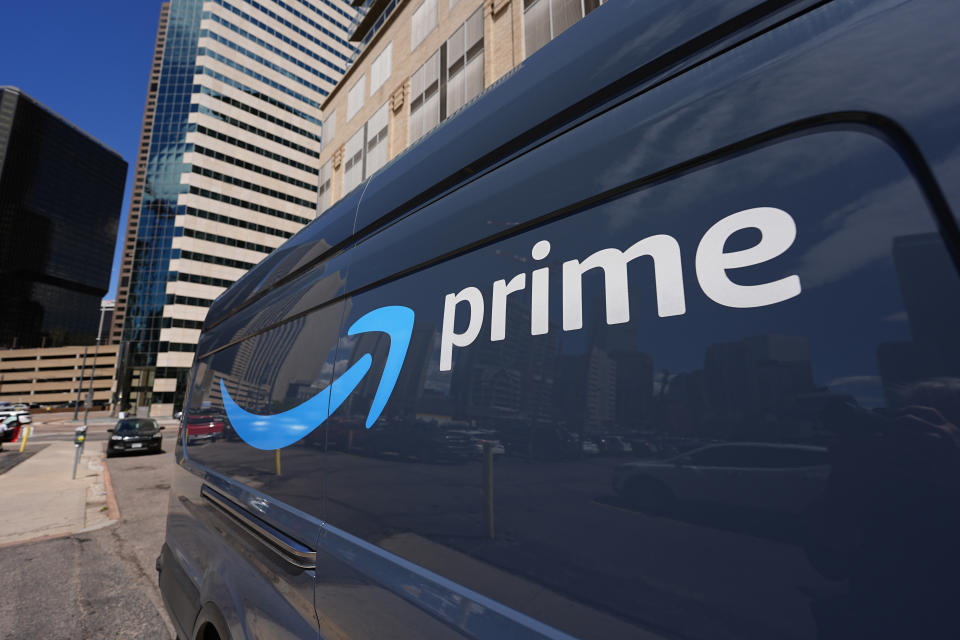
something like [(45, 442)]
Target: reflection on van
[(778, 477)]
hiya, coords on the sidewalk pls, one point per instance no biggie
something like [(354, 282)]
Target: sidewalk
[(97, 421), (38, 498)]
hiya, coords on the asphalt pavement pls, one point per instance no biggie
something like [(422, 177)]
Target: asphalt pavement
[(98, 584)]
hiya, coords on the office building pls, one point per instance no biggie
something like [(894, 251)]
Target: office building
[(139, 180), (107, 309), (232, 157), (420, 63), (61, 192)]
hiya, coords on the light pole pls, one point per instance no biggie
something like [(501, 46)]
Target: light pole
[(83, 372), (93, 367)]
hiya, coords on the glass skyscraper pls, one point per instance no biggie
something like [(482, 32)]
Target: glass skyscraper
[(60, 197), (230, 173)]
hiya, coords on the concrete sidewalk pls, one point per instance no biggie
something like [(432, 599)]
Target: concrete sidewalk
[(38, 498)]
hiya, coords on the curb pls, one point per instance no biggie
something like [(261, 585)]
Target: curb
[(113, 509)]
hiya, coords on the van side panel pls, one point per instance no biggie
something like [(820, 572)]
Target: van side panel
[(686, 367)]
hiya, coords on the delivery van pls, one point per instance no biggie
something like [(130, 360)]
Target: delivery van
[(725, 235)]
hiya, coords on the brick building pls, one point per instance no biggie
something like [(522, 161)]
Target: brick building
[(421, 62)]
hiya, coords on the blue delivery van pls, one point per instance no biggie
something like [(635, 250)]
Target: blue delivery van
[(657, 339)]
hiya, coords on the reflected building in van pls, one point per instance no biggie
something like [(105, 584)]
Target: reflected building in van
[(512, 379), (227, 172), (746, 390), (934, 353)]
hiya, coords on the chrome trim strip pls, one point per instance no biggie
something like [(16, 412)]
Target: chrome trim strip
[(469, 612), (302, 559)]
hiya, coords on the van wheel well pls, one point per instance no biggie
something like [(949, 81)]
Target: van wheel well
[(208, 632)]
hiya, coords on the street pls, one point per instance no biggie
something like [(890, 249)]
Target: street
[(98, 584)]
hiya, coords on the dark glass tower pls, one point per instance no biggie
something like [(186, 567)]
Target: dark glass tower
[(60, 197)]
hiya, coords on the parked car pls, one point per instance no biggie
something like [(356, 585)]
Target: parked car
[(614, 445), (11, 426), (204, 428), (134, 435), (779, 477), (687, 218)]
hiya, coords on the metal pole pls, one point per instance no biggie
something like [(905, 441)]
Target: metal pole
[(83, 369), (93, 371), (24, 434)]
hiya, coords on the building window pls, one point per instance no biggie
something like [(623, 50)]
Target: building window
[(355, 97), (544, 20), (365, 152), (323, 191), (353, 161), (465, 63), (423, 22), (425, 98), (380, 69), (376, 141), (329, 131)]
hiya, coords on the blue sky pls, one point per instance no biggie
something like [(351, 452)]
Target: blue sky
[(90, 63)]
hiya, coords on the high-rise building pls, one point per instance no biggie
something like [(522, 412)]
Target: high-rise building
[(231, 170), (60, 196), (139, 180)]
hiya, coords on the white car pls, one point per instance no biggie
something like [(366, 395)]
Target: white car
[(777, 477)]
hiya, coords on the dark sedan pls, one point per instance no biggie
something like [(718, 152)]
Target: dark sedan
[(135, 434)]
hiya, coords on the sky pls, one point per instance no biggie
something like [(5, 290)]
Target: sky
[(90, 63)]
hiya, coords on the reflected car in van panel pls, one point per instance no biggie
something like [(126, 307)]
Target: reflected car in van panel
[(779, 477)]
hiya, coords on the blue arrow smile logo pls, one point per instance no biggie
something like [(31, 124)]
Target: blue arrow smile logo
[(283, 429)]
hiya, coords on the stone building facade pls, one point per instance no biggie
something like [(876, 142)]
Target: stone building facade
[(422, 61)]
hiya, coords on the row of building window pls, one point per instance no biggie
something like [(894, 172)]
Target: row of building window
[(305, 18), (186, 300), (254, 148), (286, 39), (230, 242), (254, 93), (213, 35), (379, 72), (180, 323), (199, 108), (170, 372), (332, 6), (446, 82), (237, 182), (182, 347), (289, 25), (210, 153), (217, 260), (210, 53), (366, 151), (207, 15), (252, 206), (544, 20), (449, 79), (243, 106), (236, 222), (179, 276)]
